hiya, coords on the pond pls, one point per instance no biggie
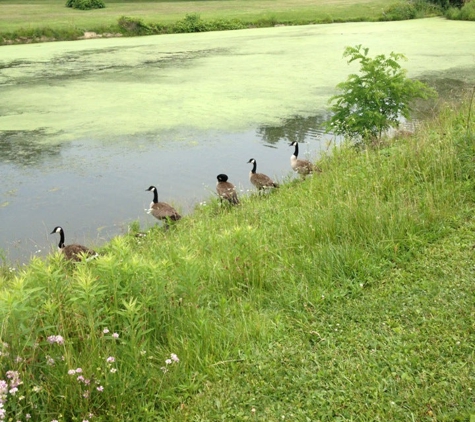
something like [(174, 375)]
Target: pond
[(87, 126)]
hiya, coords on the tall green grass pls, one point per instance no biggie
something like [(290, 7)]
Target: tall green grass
[(404, 10), (466, 12), (348, 295)]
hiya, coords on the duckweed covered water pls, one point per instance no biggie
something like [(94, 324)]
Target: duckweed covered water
[(87, 126)]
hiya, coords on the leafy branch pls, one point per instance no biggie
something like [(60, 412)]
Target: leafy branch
[(376, 99)]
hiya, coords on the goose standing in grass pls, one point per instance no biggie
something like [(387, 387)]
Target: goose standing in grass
[(226, 190), (260, 180), (302, 167), (161, 210), (73, 252)]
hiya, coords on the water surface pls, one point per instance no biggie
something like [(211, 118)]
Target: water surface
[(87, 126)]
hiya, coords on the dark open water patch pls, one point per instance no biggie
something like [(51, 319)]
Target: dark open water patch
[(25, 148)]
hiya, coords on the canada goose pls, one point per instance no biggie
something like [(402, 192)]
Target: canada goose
[(302, 167), (259, 180), (161, 210), (74, 251), (226, 190)]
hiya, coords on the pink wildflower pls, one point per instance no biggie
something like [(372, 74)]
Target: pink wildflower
[(56, 339), (14, 378)]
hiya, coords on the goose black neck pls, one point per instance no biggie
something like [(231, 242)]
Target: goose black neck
[(296, 151), (61, 240), (254, 167), (155, 196)]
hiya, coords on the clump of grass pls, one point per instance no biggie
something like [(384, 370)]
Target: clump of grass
[(40, 34), (134, 26), (194, 23), (326, 19), (85, 4), (466, 12), (191, 23), (345, 294), (405, 10)]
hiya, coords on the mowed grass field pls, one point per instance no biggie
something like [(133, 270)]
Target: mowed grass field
[(17, 15)]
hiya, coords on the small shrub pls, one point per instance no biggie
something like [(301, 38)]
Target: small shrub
[(452, 13), (399, 12), (446, 4), (410, 10), (375, 100), (191, 23), (85, 4), (326, 19), (224, 25), (135, 26), (266, 22), (466, 13)]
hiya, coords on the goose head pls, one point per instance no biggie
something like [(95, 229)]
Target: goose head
[(57, 229)]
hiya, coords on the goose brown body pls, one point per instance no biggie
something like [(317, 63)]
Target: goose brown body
[(162, 210), (226, 190), (302, 167), (72, 252), (260, 180)]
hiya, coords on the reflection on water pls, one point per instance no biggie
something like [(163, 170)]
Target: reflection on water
[(94, 189), (295, 128)]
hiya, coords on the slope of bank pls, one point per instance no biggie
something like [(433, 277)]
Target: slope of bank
[(348, 296)]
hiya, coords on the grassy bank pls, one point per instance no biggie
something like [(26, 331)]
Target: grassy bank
[(348, 296), (46, 20)]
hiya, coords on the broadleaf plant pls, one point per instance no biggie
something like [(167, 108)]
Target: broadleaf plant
[(374, 100)]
